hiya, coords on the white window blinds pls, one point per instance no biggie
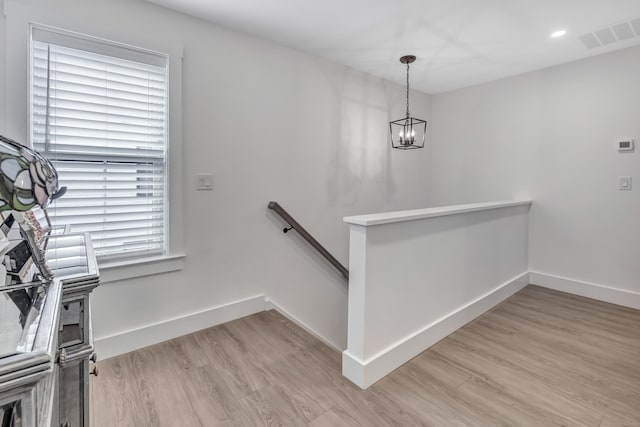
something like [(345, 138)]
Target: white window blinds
[(99, 113)]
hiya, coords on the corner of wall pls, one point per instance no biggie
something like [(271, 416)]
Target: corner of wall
[(270, 304), (594, 291), (430, 162)]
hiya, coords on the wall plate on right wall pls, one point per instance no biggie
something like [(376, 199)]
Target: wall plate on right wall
[(624, 183), (626, 145)]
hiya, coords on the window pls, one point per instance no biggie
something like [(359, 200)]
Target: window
[(99, 113)]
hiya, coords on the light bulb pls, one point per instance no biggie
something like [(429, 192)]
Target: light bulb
[(413, 133)]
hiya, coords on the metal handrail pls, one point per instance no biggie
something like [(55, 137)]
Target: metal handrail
[(294, 225)]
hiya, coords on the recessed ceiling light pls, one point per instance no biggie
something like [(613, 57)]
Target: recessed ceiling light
[(558, 33)]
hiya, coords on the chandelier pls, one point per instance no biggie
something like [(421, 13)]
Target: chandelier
[(409, 132)]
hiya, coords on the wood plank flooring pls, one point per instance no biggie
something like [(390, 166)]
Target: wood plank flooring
[(541, 358)]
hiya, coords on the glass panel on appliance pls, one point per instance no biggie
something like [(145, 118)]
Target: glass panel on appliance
[(10, 414), (73, 393), (20, 311), (67, 255), (72, 325)]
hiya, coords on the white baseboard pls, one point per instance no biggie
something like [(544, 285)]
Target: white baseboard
[(362, 373), (269, 304), (366, 373), (586, 289), (124, 342)]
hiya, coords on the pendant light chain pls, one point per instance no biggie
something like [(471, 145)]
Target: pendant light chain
[(407, 90)]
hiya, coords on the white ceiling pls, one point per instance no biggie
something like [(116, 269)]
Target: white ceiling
[(458, 42)]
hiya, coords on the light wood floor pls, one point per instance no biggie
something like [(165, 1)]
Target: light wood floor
[(541, 358)]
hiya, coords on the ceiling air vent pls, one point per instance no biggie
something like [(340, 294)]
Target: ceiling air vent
[(590, 40), (615, 33), (623, 31), (606, 36)]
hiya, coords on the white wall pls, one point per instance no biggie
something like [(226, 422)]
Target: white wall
[(415, 281), (550, 136), (270, 123)]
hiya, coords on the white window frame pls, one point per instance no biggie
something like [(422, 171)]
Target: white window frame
[(174, 259)]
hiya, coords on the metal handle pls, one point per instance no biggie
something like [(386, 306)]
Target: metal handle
[(62, 357), (94, 371), (295, 225)]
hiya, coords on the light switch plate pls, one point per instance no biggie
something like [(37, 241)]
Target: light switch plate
[(204, 181), (624, 183), (626, 145)]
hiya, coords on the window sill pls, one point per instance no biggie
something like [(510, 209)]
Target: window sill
[(123, 270)]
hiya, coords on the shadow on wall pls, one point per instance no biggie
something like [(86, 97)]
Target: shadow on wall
[(362, 154)]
